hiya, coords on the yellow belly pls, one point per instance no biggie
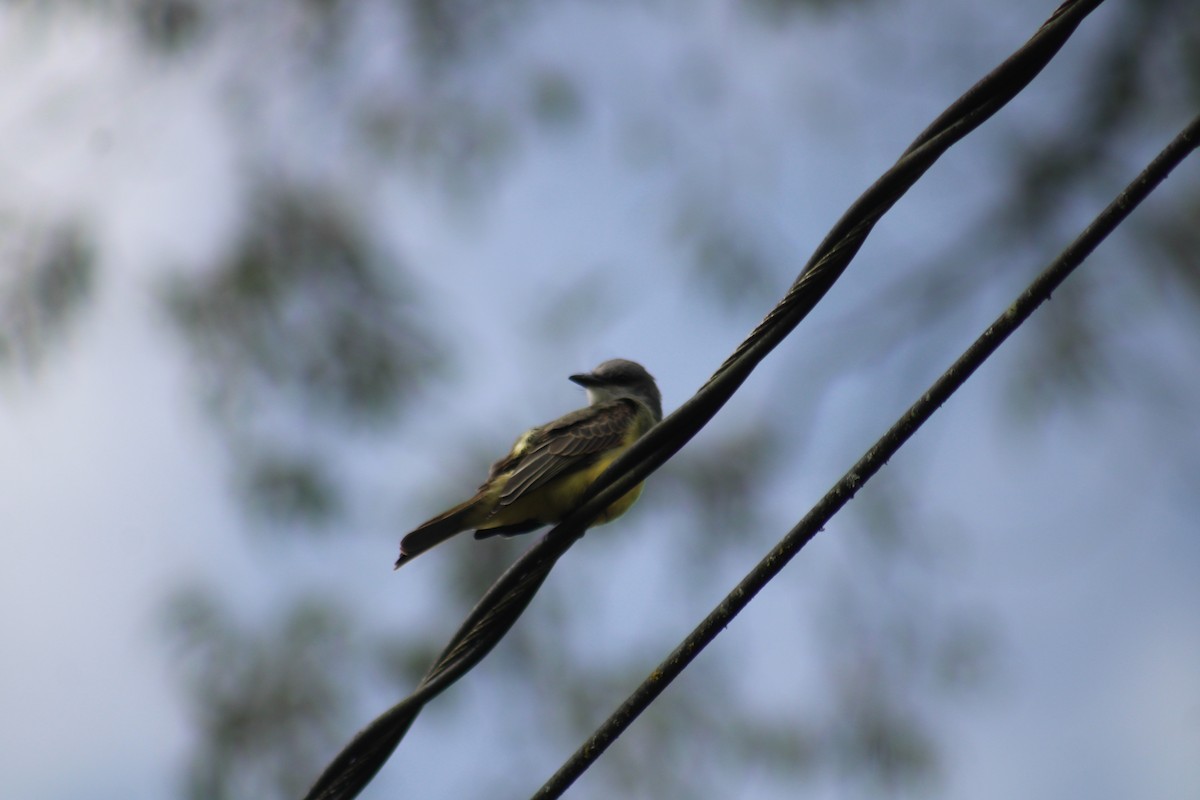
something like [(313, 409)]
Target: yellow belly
[(559, 497)]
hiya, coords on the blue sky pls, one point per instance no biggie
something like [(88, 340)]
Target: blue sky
[(1069, 532)]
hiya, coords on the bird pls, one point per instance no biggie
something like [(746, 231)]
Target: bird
[(550, 467)]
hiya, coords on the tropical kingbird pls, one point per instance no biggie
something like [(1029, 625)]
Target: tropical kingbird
[(545, 475)]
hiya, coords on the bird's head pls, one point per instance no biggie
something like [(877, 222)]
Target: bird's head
[(617, 378)]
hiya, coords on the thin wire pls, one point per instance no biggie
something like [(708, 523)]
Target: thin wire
[(1037, 293)]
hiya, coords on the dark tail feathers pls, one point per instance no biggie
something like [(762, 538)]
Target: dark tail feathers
[(437, 530)]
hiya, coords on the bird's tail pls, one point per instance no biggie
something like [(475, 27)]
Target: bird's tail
[(442, 527)]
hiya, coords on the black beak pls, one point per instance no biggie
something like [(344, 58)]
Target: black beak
[(585, 379)]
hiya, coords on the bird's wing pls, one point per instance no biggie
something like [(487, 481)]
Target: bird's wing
[(569, 443)]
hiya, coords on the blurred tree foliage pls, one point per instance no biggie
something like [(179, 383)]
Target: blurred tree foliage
[(303, 318), (266, 702), (48, 277), (306, 331)]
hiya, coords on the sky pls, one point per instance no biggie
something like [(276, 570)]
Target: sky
[(116, 488)]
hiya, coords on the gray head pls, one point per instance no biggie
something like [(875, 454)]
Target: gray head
[(618, 378)]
